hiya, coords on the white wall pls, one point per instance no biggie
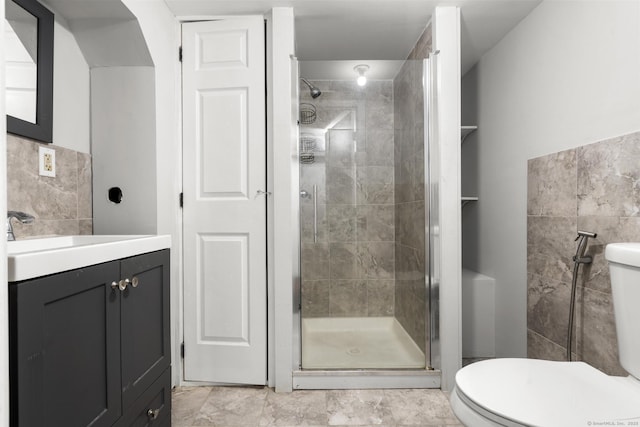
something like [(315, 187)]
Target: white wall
[(71, 91), (4, 304), (123, 129), (445, 183), (161, 32), (282, 182), (566, 76)]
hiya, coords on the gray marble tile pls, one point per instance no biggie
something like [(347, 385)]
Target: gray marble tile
[(551, 246), (600, 348), (310, 175), (315, 261), (380, 297), (417, 175), (343, 260), (44, 197), (378, 149), (85, 200), (410, 224), (420, 407), (608, 177), (392, 408), (376, 260), (341, 150), (402, 179), (342, 223), (42, 228), (375, 185), (315, 298), (411, 308), (422, 49), (379, 115), (539, 347), (358, 407), (341, 186), (379, 91), (85, 226), (410, 263), (58, 203), (376, 223), (226, 406), (548, 304), (348, 298), (552, 185), (300, 408), (186, 403), (609, 230), (310, 224)]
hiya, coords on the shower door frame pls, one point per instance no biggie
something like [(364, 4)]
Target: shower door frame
[(428, 377)]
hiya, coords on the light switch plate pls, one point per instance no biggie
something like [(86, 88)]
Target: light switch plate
[(47, 161)]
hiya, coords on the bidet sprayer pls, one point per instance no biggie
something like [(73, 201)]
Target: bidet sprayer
[(580, 257)]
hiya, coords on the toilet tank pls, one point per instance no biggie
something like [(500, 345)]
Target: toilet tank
[(624, 267)]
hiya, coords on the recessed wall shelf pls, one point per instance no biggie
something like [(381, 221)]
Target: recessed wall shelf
[(466, 131), (467, 200)]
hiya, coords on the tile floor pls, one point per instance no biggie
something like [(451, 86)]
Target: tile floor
[(261, 407)]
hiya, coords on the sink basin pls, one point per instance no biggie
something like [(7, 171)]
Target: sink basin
[(32, 258)]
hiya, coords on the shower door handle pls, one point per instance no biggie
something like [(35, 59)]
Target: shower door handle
[(315, 213)]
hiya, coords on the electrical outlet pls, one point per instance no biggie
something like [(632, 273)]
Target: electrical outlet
[(47, 162)]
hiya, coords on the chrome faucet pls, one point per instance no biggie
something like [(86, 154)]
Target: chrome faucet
[(24, 218)]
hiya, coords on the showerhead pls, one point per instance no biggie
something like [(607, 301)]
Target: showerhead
[(315, 92)]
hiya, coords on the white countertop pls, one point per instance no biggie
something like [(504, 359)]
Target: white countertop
[(31, 258)]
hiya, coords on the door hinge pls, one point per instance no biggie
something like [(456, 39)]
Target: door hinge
[(180, 53), (182, 350), (181, 199)]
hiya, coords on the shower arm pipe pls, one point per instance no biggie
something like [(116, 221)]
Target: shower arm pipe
[(578, 258)]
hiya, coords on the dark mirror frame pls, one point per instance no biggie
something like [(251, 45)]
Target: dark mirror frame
[(42, 130)]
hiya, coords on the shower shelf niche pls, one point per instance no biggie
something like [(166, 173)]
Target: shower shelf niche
[(467, 200), (465, 131)]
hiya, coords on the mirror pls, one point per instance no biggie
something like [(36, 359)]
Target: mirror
[(29, 69)]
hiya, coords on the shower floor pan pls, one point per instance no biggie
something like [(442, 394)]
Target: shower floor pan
[(358, 343)]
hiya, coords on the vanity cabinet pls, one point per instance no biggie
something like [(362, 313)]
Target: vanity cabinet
[(91, 346)]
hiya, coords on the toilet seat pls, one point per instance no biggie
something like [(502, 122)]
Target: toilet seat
[(531, 392)]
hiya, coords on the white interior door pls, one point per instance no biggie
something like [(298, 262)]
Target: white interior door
[(224, 179)]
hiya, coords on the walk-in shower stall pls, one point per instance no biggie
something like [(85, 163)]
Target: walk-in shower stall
[(365, 298)]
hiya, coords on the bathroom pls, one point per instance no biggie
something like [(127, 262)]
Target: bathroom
[(571, 62)]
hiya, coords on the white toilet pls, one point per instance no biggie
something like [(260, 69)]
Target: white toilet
[(530, 392)]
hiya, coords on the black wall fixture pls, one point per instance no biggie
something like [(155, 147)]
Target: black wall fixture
[(115, 195)]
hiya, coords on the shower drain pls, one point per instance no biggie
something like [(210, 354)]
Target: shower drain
[(353, 350)]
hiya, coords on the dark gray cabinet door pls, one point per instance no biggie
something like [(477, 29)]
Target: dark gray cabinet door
[(145, 323), (65, 349)]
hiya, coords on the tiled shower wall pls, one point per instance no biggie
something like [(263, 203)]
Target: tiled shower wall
[(410, 215), (61, 205), (350, 269), (592, 188)]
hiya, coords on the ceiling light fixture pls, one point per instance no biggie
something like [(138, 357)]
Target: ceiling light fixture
[(361, 69)]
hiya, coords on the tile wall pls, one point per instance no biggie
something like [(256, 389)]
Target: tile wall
[(593, 188), (61, 205), (410, 215), (350, 269), (368, 168)]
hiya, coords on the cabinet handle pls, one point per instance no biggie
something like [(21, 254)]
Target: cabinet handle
[(153, 413), (114, 285), (122, 284), (134, 281)]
